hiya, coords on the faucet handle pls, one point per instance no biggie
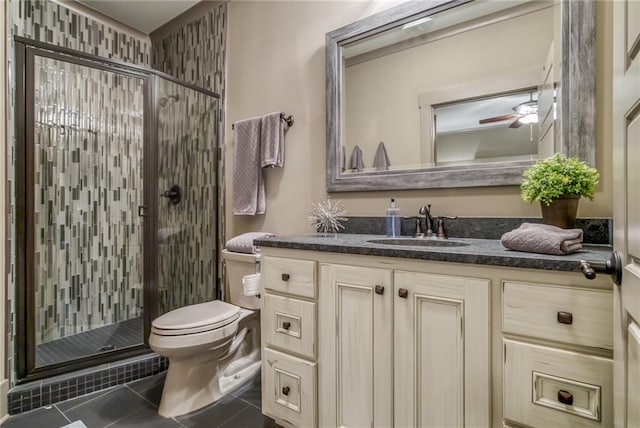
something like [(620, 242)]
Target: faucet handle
[(419, 232), (440, 222), (441, 232)]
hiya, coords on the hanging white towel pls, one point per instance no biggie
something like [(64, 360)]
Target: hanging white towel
[(381, 160), (248, 187), (357, 164), (272, 140)]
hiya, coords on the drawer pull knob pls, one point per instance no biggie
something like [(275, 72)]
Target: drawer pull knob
[(286, 325), (403, 293), (379, 289), (565, 317), (286, 276), (565, 397), (286, 389)]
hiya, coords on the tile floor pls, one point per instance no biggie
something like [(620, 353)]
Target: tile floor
[(136, 404)]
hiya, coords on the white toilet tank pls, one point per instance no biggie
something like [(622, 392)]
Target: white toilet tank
[(237, 266)]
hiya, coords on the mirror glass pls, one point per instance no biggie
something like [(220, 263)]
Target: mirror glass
[(489, 129), (454, 94)]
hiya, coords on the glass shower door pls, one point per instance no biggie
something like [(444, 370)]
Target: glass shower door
[(84, 191), (187, 161)]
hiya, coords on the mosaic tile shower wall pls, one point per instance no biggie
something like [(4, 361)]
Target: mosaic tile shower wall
[(88, 185), (196, 54), (187, 268), (187, 157), (46, 21), (50, 22)]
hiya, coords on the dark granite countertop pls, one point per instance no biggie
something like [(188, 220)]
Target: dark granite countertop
[(478, 251)]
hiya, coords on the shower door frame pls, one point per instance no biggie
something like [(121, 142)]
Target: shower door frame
[(26, 51)]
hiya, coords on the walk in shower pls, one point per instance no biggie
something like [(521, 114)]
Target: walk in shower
[(116, 205)]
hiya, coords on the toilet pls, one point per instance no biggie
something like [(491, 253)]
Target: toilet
[(213, 347)]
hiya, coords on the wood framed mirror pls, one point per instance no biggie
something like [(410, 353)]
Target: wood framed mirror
[(460, 93)]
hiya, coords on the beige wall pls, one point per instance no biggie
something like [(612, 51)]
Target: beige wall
[(276, 61)]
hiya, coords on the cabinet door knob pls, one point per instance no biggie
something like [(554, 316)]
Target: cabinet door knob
[(565, 397), (286, 325), (286, 276), (403, 293), (379, 289), (285, 390), (565, 317)]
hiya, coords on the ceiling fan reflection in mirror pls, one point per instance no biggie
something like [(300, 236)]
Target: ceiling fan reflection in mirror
[(525, 113)]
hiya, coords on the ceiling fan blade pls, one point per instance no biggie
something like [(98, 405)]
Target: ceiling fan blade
[(516, 123), (499, 118)]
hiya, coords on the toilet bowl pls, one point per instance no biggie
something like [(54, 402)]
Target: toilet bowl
[(213, 347)]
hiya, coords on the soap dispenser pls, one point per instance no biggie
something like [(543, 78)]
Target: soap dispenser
[(393, 220)]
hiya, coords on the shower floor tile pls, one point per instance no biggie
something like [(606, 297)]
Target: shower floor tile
[(136, 404), (115, 336)]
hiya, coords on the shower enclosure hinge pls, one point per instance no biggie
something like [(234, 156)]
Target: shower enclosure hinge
[(142, 210)]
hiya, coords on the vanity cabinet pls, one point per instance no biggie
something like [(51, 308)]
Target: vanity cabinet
[(288, 325), (441, 350), (355, 331), (557, 355), (396, 342), (357, 340)]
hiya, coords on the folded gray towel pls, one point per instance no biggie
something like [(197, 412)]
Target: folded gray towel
[(543, 238), (381, 160), (357, 164), (244, 243)]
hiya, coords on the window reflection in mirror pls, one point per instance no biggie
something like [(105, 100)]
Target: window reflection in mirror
[(488, 129)]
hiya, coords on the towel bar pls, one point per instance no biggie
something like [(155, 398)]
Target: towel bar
[(287, 119)]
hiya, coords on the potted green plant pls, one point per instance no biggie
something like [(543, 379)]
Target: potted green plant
[(558, 183)]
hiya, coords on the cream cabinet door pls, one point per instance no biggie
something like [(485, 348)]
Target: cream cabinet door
[(355, 355), (441, 351), (626, 210)]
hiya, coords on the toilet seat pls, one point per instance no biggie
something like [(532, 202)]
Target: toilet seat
[(198, 318)]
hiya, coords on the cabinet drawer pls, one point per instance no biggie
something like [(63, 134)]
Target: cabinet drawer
[(563, 314), (289, 324), (289, 388), (289, 276), (546, 387)]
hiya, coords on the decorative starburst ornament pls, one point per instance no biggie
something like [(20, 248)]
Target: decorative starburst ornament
[(326, 217)]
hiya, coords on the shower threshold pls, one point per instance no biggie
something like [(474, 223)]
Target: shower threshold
[(120, 335)]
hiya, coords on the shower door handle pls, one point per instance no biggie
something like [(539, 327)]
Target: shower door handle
[(142, 211)]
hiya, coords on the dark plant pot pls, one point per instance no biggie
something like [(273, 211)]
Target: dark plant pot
[(561, 212)]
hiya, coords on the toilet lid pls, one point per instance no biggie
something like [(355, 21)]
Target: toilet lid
[(198, 317)]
